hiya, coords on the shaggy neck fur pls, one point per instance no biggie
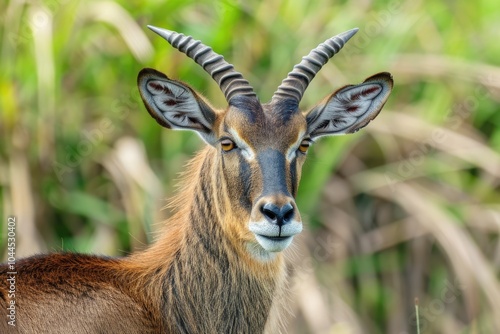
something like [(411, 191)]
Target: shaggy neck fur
[(207, 281)]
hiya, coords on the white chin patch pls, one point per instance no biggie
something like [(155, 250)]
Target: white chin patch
[(271, 238), (266, 249), (274, 244)]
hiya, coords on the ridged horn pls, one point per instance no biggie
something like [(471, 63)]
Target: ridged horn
[(230, 82), (295, 84)]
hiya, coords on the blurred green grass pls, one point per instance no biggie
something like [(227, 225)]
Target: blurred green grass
[(408, 207)]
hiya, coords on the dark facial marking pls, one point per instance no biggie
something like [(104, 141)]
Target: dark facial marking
[(285, 109), (250, 106), (293, 176), (273, 168), (223, 162), (246, 177)]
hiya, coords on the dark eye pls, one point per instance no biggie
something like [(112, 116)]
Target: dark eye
[(227, 145), (304, 146)]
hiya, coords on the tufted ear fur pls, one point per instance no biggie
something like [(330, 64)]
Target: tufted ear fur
[(175, 105), (350, 108)]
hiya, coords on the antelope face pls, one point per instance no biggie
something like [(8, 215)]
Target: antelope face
[(260, 148)]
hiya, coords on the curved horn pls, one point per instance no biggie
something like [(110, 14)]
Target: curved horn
[(297, 81), (230, 82)]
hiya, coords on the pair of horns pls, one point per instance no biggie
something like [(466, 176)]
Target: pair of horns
[(232, 82)]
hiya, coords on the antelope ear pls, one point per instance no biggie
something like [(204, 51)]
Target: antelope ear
[(350, 108), (175, 105)]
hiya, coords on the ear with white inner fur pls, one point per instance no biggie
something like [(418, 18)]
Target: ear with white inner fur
[(175, 105), (350, 108)]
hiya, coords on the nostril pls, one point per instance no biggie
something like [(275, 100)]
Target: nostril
[(270, 211), (288, 213), (277, 215)]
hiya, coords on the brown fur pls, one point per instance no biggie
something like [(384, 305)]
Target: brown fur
[(194, 279), (207, 272)]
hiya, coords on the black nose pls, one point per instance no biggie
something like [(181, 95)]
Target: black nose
[(277, 215)]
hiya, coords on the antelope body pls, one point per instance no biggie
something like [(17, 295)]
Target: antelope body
[(218, 266)]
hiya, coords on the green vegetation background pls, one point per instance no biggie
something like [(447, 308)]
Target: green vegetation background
[(408, 207)]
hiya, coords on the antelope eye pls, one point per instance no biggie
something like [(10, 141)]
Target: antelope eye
[(227, 145), (304, 146)]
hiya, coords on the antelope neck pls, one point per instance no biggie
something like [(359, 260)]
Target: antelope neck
[(207, 271)]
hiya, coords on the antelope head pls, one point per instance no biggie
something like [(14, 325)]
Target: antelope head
[(260, 147)]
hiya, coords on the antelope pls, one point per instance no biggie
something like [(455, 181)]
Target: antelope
[(218, 267)]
